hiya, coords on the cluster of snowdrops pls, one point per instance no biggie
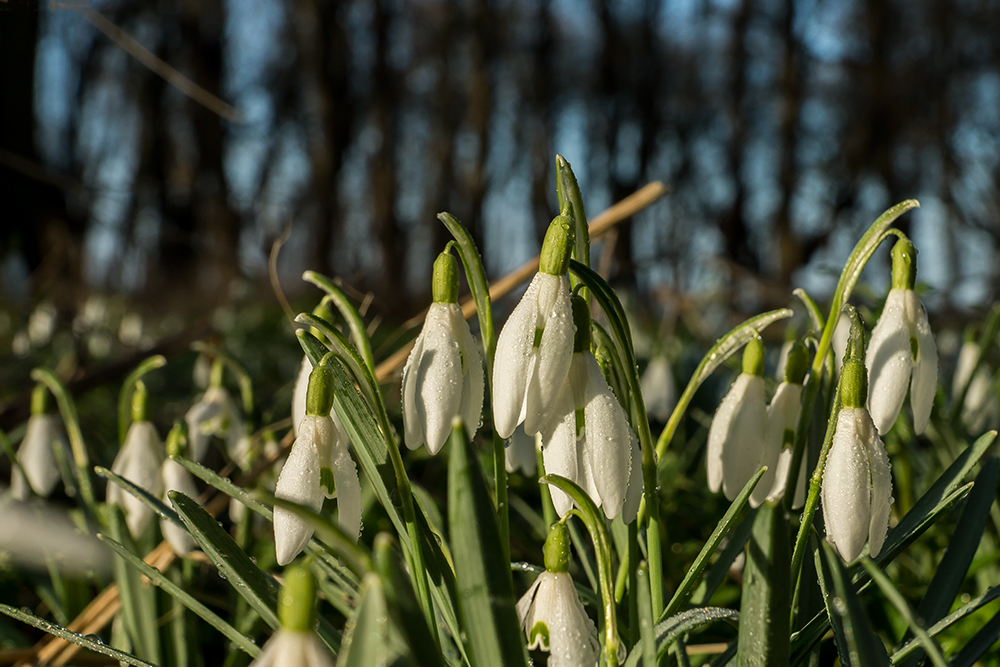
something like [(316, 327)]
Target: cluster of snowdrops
[(565, 406)]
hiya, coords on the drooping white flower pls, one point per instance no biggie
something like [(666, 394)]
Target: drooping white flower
[(37, 457), (215, 413), (901, 352), (535, 346), (520, 453), (177, 478), (296, 643), (857, 486), (139, 462), (979, 411), (443, 376), (551, 614), (659, 391), (319, 459), (782, 421), (736, 438), (588, 438)]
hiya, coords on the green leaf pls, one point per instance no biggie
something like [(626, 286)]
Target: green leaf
[(254, 586), (366, 637), (815, 314), (678, 625), (647, 632), (183, 597), (952, 570), (738, 538), (480, 286), (766, 600), (568, 191), (979, 644), (148, 499), (857, 643), (485, 590), (404, 610), (224, 485), (138, 600), (897, 601), (128, 388), (973, 605), (97, 646), (350, 314), (729, 520)]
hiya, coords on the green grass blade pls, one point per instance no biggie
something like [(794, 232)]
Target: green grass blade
[(148, 499), (403, 606), (138, 600), (254, 586), (727, 523), (897, 601), (766, 600), (355, 556), (647, 631), (96, 646), (815, 314), (979, 644), (350, 314), (678, 625), (973, 605), (857, 643), (224, 485), (183, 597), (485, 590), (366, 636), (568, 191), (716, 574), (480, 286)]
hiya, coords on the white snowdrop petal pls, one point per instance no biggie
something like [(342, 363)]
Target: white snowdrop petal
[(925, 368), (555, 350), (142, 455), (36, 455), (782, 415), (299, 393), (559, 450), (316, 652), (345, 478), (413, 418), (525, 606), (736, 437), (177, 478), (473, 373), (659, 392), (573, 641), (633, 496), (881, 493), (609, 440), (438, 376), (520, 453), (846, 491), (841, 334), (889, 362), (510, 365), (298, 482)]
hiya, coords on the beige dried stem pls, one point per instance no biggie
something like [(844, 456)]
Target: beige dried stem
[(99, 613)]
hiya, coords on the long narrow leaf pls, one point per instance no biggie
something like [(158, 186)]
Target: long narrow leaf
[(979, 644), (183, 597), (366, 638), (138, 600), (151, 501), (480, 286), (678, 625), (766, 600), (224, 485), (973, 605), (350, 314), (95, 645), (485, 590)]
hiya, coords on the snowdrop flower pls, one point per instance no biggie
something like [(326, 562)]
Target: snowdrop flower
[(782, 419), (980, 408), (296, 643), (736, 439), (841, 333), (658, 389), (443, 376), (902, 346), (319, 458), (535, 347), (177, 478), (857, 483), (37, 451), (139, 462), (588, 438), (215, 414), (520, 452), (551, 614)]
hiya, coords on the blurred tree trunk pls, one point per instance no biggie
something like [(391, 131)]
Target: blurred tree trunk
[(790, 94)]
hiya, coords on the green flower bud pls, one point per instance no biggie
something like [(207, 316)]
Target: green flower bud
[(854, 375), (753, 357), (319, 394), (40, 400), (177, 440), (297, 600), (444, 285), (904, 264), (218, 368), (557, 246), (556, 548), (140, 403), (797, 364)]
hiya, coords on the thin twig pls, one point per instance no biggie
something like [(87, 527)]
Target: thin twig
[(272, 272)]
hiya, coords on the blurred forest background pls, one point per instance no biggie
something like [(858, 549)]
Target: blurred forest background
[(783, 126)]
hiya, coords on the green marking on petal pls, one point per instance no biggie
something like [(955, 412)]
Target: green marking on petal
[(789, 438), (538, 336), (579, 422), (326, 479), (539, 632), (914, 348)]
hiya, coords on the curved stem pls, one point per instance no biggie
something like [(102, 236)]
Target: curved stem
[(128, 388), (354, 320)]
